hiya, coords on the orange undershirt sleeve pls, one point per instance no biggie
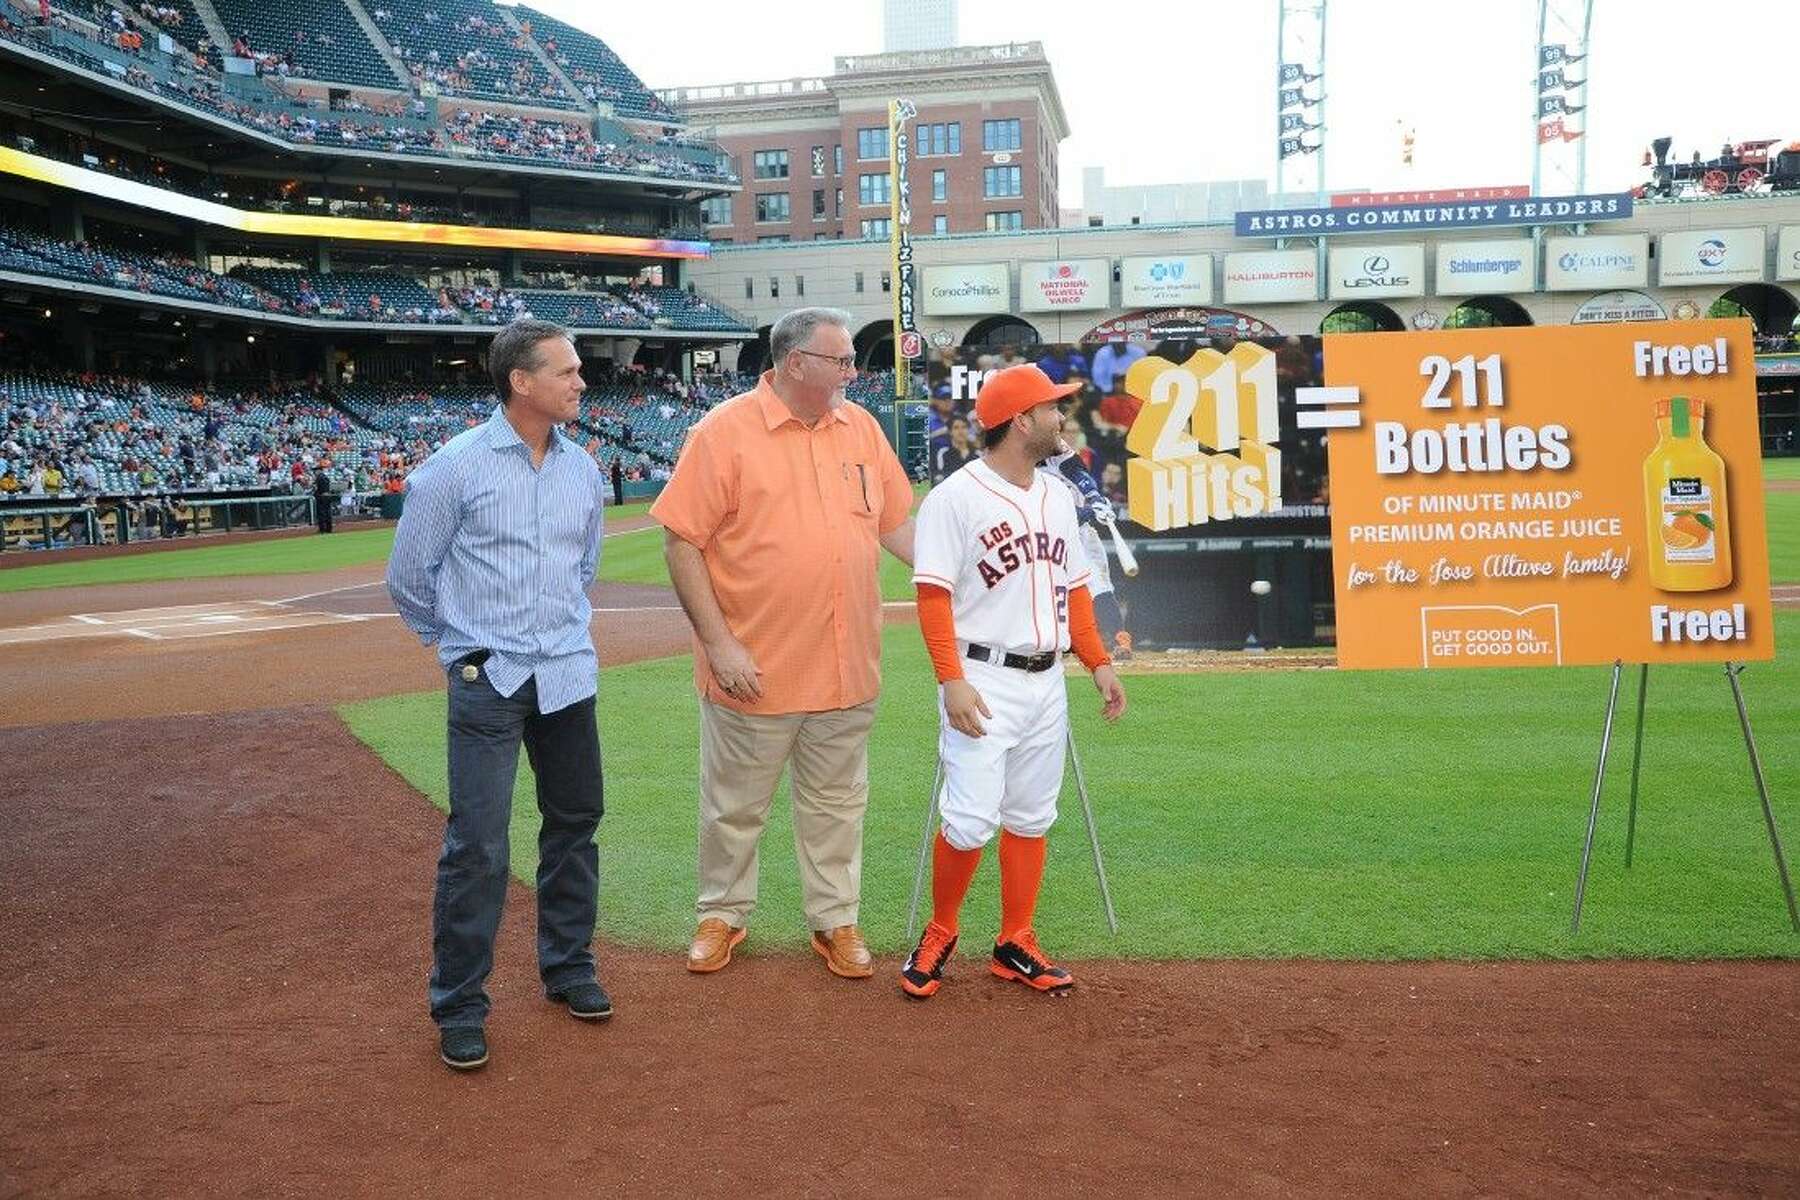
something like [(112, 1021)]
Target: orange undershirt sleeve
[(1084, 630), (937, 621)]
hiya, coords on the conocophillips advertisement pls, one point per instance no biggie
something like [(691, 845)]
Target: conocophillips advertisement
[(966, 289), (61, 174), (1065, 285), (1542, 496)]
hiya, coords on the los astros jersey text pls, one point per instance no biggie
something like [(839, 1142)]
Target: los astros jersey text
[(1009, 556)]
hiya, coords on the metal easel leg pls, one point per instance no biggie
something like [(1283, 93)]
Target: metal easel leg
[(1637, 757), (931, 810), (1087, 812), (1732, 671), (1587, 847)]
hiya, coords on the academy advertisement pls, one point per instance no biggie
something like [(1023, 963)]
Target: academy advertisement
[(1546, 496)]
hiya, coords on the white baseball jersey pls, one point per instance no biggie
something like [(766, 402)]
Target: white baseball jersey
[(1009, 557)]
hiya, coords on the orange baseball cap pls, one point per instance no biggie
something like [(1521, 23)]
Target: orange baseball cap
[(1008, 393)]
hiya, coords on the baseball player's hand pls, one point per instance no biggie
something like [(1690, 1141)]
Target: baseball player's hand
[(734, 670), (964, 707), (1112, 692)]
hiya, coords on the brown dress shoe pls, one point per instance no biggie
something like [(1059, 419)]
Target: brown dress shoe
[(844, 952), (712, 946)]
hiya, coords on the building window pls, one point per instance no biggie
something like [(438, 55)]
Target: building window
[(872, 189), (771, 164), (871, 142), (940, 224), (716, 210), (1002, 181), (749, 288), (878, 227), (940, 186), (773, 237), (837, 160), (818, 162), (799, 285), (1000, 135), (818, 204), (887, 282), (838, 211), (772, 206), (997, 221), (822, 237), (774, 288), (859, 282), (939, 139)]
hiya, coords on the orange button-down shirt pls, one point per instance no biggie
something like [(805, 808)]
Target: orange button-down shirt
[(788, 519)]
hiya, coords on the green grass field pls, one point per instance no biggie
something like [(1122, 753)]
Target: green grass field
[(1328, 814), (1781, 468)]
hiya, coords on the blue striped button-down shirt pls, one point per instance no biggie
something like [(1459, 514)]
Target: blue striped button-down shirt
[(495, 554)]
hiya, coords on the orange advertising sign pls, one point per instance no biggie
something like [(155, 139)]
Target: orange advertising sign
[(1546, 496)]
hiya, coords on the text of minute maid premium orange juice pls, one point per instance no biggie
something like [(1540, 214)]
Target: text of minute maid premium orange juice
[(1684, 490)]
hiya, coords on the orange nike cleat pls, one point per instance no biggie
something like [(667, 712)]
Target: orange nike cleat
[(1022, 960), (924, 968)]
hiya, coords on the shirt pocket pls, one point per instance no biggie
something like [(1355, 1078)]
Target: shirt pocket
[(862, 490)]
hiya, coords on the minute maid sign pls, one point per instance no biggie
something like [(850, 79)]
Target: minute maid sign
[(1385, 218)]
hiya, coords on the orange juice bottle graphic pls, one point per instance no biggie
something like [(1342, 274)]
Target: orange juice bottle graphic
[(1684, 490)]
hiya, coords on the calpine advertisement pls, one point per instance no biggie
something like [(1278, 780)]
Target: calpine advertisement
[(1544, 496)]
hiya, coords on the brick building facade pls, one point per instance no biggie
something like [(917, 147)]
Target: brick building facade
[(813, 153)]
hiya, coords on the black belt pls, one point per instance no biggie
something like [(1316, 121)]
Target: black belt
[(1020, 662)]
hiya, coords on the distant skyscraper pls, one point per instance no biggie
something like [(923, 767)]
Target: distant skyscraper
[(918, 25)]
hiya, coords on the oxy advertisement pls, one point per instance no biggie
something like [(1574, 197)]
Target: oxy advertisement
[(1546, 496), (1710, 256)]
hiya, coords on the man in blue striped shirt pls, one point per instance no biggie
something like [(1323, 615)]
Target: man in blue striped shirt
[(497, 543)]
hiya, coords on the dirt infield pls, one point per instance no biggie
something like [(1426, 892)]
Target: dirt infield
[(216, 925)]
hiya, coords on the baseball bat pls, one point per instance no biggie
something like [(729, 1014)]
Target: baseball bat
[(1073, 469), (1127, 560)]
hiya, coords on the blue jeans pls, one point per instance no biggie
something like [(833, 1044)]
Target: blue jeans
[(485, 730)]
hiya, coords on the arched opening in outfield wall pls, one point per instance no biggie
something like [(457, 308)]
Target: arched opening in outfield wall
[(753, 357), (875, 346), (1362, 316), (1773, 310), (999, 332), (1487, 312)]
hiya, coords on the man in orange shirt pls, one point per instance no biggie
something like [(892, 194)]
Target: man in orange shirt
[(774, 516)]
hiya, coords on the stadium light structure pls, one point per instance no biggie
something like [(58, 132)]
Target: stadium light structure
[(1300, 97), (1559, 106)]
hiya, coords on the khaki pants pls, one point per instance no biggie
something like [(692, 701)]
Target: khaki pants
[(741, 757)]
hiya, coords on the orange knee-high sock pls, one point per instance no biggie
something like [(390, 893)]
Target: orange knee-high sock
[(1021, 874), (952, 871)]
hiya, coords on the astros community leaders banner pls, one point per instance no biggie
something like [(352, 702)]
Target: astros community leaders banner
[(1551, 495)]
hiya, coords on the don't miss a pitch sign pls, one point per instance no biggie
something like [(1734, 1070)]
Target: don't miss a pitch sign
[(1544, 496)]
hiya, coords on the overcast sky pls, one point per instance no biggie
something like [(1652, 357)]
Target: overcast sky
[(1184, 91)]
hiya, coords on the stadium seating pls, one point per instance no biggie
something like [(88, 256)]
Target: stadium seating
[(592, 64), (318, 38), (364, 296), (466, 48)]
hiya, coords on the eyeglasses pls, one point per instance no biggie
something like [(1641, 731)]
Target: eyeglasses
[(845, 363)]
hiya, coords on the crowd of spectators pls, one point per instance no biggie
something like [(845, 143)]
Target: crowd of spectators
[(193, 77)]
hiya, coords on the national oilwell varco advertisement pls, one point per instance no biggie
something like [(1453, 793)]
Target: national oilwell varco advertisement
[(1543, 496)]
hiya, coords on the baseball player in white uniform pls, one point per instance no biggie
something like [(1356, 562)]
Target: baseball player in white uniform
[(1002, 581)]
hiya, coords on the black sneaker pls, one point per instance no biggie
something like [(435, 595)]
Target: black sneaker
[(586, 1001), (924, 968), (463, 1047), (1022, 961)]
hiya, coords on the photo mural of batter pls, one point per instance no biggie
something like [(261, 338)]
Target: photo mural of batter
[(1002, 581), (1192, 443)]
